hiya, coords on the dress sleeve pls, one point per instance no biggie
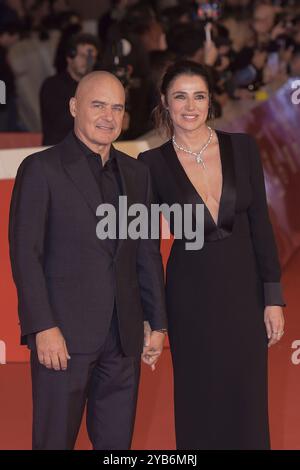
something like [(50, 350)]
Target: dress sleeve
[(262, 232)]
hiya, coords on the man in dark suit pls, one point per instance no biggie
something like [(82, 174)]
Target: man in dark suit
[(82, 300)]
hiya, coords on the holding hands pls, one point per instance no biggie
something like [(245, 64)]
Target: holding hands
[(153, 345)]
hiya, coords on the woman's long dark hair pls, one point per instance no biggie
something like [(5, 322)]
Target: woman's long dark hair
[(161, 115)]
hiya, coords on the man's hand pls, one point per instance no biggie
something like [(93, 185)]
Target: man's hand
[(147, 333), (210, 50), (210, 53), (154, 349), (51, 349), (278, 30)]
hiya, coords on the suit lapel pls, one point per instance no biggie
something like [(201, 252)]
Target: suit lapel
[(127, 176), (78, 169)]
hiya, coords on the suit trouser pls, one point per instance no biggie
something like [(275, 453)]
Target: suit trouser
[(106, 380)]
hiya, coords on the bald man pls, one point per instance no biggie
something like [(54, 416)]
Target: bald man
[(83, 301)]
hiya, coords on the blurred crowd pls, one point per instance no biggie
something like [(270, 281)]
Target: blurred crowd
[(249, 47)]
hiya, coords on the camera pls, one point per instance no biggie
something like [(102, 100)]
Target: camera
[(209, 11)]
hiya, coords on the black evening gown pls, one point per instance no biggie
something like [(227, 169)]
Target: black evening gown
[(215, 300)]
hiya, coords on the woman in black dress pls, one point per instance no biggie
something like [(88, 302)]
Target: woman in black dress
[(224, 301)]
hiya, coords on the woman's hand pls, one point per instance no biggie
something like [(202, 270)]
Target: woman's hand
[(274, 322)]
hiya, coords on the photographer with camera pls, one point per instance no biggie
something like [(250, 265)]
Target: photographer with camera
[(266, 60)]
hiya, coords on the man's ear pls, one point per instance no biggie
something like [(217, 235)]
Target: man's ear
[(73, 106)]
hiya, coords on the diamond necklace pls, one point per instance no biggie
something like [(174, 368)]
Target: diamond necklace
[(198, 155)]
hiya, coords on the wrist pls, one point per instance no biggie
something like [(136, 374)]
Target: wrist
[(164, 331)]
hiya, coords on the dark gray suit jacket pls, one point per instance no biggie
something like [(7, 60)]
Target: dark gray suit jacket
[(64, 274)]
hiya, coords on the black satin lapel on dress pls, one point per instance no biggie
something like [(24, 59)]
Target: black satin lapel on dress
[(212, 231), (228, 197)]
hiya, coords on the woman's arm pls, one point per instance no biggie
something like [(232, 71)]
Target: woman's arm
[(265, 248), (262, 231)]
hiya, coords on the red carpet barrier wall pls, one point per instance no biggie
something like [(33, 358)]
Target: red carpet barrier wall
[(10, 140)]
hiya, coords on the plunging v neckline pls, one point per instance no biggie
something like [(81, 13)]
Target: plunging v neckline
[(216, 223), (189, 195)]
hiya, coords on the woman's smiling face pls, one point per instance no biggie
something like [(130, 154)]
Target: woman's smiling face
[(188, 102)]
